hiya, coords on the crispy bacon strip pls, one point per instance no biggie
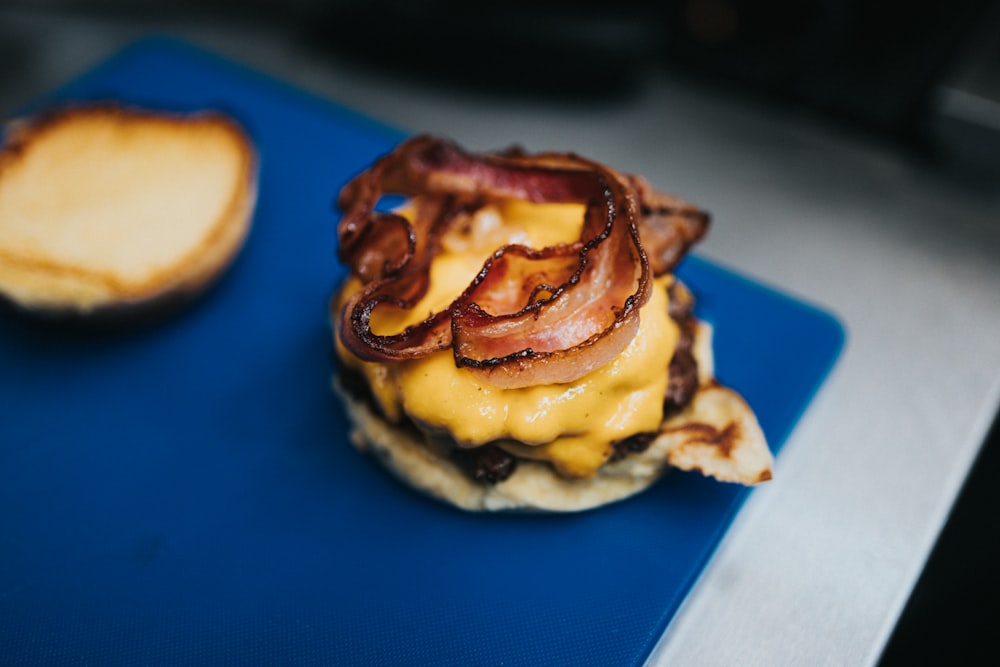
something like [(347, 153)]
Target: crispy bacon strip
[(669, 225), (530, 316)]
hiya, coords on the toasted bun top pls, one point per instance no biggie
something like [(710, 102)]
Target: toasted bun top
[(107, 205)]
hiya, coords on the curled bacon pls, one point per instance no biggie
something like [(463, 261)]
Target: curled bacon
[(668, 226), (532, 315)]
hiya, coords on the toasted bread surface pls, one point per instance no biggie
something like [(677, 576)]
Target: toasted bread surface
[(105, 205)]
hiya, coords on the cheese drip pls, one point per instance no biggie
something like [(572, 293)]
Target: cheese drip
[(571, 425)]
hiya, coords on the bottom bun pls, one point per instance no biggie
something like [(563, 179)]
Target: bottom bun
[(716, 434), (534, 486)]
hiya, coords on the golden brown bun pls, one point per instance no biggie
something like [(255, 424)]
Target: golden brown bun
[(107, 208), (716, 434)]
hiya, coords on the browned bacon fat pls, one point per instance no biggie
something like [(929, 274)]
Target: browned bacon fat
[(532, 315)]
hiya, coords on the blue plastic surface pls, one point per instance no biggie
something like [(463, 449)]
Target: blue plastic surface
[(185, 494)]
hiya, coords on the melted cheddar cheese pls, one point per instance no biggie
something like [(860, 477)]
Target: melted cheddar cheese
[(570, 425)]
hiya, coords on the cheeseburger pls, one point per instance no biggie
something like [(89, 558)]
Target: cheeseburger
[(512, 337)]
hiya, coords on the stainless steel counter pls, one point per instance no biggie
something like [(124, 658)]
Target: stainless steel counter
[(819, 563)]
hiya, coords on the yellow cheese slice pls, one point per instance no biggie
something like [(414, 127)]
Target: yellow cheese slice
[(572, 426)]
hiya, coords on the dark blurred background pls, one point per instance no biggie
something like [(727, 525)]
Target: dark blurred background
[(921, 75), (922, 72)]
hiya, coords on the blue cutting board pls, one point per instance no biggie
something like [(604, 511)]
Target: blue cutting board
[(185, 494)]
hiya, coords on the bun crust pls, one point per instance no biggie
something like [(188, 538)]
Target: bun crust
[(106, 208)]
